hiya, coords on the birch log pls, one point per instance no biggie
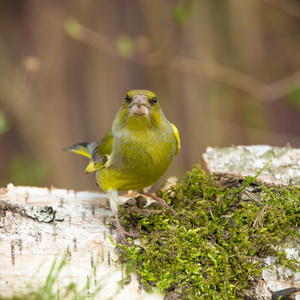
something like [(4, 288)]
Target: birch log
[(37, 224), (281, 165)]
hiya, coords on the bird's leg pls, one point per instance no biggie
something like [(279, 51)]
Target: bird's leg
[(121, 233), (159, 200)]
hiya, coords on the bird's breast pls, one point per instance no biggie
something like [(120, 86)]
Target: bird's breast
[(139, 159), (148, 148)]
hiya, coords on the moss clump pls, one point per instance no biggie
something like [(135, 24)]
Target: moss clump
[(212, 247)]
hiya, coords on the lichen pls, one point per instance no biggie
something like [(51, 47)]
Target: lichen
[(214, 245)]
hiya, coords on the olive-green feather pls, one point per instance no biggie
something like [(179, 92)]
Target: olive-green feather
[(137, 150)]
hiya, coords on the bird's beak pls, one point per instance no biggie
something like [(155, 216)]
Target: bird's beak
[(139, 105)]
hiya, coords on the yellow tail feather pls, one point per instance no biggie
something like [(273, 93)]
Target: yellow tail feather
[(85, 149)]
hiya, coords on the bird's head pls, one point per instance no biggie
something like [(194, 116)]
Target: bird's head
[(141, 102), (140, 108)]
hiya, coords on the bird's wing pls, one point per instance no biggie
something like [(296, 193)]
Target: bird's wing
[(101, 154), (98, 153), (105, 146), (176, 133)]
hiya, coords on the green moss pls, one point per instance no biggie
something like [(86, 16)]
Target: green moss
[(213, 246)]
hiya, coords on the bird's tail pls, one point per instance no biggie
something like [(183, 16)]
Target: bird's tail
[(85, 149), (88, 150)]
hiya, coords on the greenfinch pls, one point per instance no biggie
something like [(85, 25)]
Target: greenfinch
[(135, 152)]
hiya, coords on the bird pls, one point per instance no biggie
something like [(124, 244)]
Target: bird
[(134, 153)]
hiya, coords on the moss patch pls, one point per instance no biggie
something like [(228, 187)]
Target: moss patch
[(213, 246)]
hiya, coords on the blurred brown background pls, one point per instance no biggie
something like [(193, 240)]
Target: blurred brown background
[(225, 72)]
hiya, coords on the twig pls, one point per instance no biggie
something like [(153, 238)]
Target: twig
[(252, 198), (247, 83), (290, 7), (259, 216)]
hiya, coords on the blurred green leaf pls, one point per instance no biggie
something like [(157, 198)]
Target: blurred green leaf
[(74, 29), (25, 172), (3, 123), (125, 45), (293, 98), (182, 12)]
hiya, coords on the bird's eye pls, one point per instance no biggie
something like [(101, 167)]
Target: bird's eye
[(154, 100), (127, 98)]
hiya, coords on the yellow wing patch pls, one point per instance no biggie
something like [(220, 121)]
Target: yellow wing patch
[(104, 163), (177, 138), (90, 168)]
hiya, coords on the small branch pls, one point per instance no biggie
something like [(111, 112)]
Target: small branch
[(289, 7), (259, 216), (212, 70)]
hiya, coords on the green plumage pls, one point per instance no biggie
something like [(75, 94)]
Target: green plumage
[(138, 149)]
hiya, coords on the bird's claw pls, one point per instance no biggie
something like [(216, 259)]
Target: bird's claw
[(122, 234), (161, 202)]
